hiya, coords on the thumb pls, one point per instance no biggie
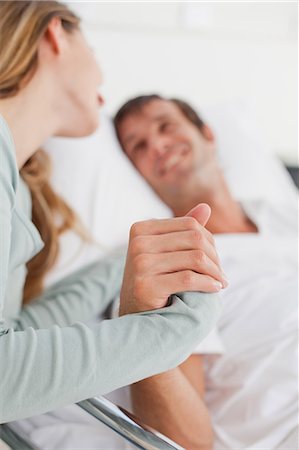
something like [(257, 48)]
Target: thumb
[(201, 213)]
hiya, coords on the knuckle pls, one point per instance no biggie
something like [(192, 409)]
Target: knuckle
[(196, 238), (199, 256), (191, 223), (135, 229), (138, 245), (212, 239), (139, 288), (187, 279), (141, 263)]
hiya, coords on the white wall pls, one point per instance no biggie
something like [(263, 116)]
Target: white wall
[(206, 52)]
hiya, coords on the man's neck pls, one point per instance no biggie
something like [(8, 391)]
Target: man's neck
[(227, 214)]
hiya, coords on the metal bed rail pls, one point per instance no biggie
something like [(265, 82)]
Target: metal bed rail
[(118, 419), (15, 438)]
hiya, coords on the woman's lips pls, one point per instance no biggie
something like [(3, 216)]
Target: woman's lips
[(101, 100)]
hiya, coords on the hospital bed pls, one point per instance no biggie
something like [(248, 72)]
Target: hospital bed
[(252, 173)]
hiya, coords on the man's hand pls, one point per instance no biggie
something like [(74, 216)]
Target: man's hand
[(168, 256)]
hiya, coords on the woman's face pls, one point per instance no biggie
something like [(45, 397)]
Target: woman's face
[(79, 79)]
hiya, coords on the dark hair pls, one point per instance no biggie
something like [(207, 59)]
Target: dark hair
[(135, 106)]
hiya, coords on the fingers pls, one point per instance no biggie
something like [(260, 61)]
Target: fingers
[(201, 212), (168, 284), (176, 241), (176, 235), (167, 256), (163, 226), (163, 263), (189, 281)]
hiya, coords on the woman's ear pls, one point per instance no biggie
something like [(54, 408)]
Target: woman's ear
[(54, 37)]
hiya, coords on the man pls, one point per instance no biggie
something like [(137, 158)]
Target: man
[(251, 390)]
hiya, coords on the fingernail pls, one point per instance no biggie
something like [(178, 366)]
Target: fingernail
[(217, 285), (224, 281)]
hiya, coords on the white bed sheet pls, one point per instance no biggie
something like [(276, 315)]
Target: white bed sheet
[(71, 428)]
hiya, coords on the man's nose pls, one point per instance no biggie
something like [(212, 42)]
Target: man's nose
[(158, 146)]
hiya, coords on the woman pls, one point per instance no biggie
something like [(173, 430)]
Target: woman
[(49, 358)]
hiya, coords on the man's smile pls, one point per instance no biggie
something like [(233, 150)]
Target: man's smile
[(171, 159)]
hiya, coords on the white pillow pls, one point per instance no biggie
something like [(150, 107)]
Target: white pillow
[(252, 172), (99, 182)]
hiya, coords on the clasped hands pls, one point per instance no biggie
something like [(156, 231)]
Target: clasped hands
[(166, 256)]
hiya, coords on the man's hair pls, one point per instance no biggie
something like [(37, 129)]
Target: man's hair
[(135, 106)]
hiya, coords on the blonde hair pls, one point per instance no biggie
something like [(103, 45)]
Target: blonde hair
[(22, 25)]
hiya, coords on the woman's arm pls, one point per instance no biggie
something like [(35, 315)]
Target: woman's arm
[(172, 403), (46, 369), (79, 297), (49, 368)]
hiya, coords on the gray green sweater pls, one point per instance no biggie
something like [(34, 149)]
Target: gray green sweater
[(49, 356)]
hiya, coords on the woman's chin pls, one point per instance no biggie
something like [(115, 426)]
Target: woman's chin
[(81, 129), (90, 129), (90, 126)]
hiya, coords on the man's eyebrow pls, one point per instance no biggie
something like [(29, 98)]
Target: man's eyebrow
[(161, 117), (155, 119), (129, 138)]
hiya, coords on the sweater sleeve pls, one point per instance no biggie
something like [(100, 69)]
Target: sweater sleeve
[(44, 369), (79, 297), (8, 187)]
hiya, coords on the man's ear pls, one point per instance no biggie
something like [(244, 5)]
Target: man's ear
[(54, 37), (207, 133)]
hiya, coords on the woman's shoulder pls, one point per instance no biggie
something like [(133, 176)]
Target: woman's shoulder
[(16, 225), (8, 168)]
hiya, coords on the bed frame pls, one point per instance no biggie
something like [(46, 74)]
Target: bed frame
[(294, 172), (111, 415)]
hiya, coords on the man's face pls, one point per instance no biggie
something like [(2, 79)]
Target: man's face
[(165, 147)]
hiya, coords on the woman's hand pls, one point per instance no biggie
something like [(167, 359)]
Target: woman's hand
[(168, 256)]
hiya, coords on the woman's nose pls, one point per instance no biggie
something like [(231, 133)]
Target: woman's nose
[(101, 100)]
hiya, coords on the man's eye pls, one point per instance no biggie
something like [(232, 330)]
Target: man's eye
[(166, 126), (139, 146)]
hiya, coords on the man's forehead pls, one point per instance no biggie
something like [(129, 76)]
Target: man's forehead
[(155, 110)]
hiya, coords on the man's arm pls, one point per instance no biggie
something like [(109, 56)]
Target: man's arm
[(172, 403)]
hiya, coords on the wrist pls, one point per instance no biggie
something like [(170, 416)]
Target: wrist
[(164, 378)]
